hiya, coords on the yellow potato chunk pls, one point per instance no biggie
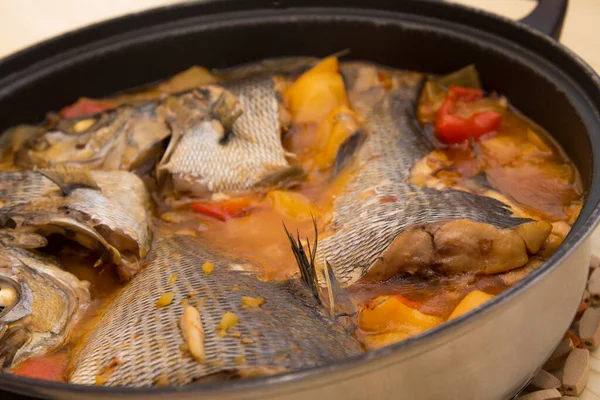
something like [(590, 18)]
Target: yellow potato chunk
[(316, 93), (165, 299), (208, 267), (228, 320), (252, 302), (384, 339), (470, 302), (293, 204), (340, 124), (392, 314), (329, 64)]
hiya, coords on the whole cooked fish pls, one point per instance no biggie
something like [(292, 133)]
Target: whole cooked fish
[(383, 225), (105, 211), (234, 145), (39, 302), (280, 326), (128, 138)]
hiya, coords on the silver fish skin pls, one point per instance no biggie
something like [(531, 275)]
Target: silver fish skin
[(205, 156), (105, 211), (127, 138), (41, 303), (288, 331), (376, 234)]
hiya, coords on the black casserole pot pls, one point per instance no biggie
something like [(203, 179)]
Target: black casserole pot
[(488, 354)]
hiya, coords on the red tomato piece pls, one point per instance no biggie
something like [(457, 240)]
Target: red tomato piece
[(467, 94), (85, 106), (49, 368), (454, 129), (225, 210), (484, 122)]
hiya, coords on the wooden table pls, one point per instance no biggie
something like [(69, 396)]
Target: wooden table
[(24, 22)]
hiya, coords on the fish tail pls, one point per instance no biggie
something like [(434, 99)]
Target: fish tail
[(339, 54)]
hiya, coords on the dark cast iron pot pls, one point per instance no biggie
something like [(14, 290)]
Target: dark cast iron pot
[(490, 353)]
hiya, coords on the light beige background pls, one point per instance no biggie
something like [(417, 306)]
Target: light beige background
[(25, 22)]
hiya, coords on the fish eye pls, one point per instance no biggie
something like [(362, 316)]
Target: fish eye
[(9, 295)]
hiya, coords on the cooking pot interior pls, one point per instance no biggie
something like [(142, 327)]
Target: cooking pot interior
[(101, 67), (533, 84)]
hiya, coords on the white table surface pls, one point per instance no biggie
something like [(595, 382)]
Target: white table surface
[(25, 22)]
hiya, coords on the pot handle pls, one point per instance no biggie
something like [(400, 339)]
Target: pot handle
[(548, 17)]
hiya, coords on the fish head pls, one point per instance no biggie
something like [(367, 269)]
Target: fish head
[(39, 305), (15, 306), (78, 141), (124, 138)]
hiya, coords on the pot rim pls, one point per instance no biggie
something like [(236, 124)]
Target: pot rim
[(570, 244)]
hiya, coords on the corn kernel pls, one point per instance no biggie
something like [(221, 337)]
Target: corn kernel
[(252, 302), (228, 320), (208, 267), (165, 299)]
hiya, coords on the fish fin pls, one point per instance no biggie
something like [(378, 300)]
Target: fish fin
[(338, 54), (329, 277), (226, 112), (347, 150), (70, 178), (306, 263), (340, 303), (10, 343), (481, 180), (284, 178)]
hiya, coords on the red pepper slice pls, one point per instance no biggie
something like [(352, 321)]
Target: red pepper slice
[(224, 211), (453, 129), (576, 341), (85, 106), (465, 93), (484, 122)]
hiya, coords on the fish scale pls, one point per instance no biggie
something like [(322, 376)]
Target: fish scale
[(289, 319), (363, 229), (253, 151), (19, 187)]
